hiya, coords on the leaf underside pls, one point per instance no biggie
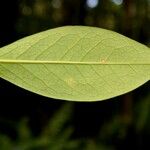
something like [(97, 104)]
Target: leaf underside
[(76, 63)]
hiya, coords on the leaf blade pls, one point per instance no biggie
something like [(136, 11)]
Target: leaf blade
[(79, 63)]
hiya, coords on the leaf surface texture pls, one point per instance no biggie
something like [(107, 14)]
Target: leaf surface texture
[(76, 63)]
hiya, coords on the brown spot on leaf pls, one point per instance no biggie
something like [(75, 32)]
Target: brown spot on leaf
[(71, 82), (103, 61)]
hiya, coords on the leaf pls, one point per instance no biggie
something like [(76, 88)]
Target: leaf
[(76, 63)]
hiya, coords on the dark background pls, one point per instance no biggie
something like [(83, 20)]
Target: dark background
[(119, 123)]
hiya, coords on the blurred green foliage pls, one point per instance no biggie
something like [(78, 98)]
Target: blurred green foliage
[(57, 135), (131, 17)]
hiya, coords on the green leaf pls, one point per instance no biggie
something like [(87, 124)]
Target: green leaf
[(76, 63)]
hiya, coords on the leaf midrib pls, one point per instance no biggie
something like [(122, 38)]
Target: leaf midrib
[(5, 61)]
